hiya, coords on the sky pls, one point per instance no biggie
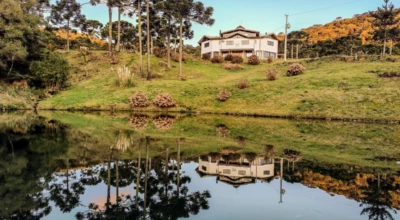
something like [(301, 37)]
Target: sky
[(262, 15)]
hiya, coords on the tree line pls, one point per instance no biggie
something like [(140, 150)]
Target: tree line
[(28, 40), (384, 38), (155, 19)]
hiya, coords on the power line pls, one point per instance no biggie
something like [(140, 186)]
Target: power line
[(320, 9), (278, 29)]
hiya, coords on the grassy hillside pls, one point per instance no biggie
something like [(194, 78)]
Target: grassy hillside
[(328, 89)]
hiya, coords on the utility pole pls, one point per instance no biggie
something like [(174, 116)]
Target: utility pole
[(281, 190), (287, 26)]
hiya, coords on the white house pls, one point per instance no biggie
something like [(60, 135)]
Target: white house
[(238, 172), (240, 41)]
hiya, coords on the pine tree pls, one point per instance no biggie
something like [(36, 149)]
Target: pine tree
[(66, 13), (185, 12), (385, 23)]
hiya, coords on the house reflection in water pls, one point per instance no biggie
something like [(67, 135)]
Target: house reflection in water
[(237, 172)]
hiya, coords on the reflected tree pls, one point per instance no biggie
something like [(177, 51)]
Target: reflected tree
[(66, 188), (378, 199)]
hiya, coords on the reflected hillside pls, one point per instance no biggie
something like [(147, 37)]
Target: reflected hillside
[(369, 145), (101, 167)]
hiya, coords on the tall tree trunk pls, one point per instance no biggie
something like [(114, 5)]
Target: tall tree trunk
[(119, 29), (384, 42), (108, 181), (110, 29), (291, 52), (175, 45), (117, 182), (297, 51), (166, 171), (138, 174), (169, 44), (12, 66), (178, 167), (148, 40), (140, 38), (146, 176), (68, 35), (67, 174), (180, 47)]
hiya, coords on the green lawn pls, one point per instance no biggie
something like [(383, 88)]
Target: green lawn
[(328, 89)]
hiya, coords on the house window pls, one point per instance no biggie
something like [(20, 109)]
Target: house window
[(226, 171), (245, 42), (266, 172), (207, 44), (270, 43), (229, 42), (242, 172), (270, 54), (204, 168)]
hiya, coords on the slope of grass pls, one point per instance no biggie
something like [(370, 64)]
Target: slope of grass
[(15, 97), (328, 89)]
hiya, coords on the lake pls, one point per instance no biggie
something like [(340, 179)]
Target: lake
[(104, 165)]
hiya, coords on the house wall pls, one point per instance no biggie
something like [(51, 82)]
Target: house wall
[(214, 46), (266, 47), (259, 46), (256, 169)]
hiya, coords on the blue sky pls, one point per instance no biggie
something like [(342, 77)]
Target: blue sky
[(264, 15)]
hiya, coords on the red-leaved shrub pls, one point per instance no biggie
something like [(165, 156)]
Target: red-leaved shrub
[(164, 100), (295, 69), (223, 95), (139, 100)]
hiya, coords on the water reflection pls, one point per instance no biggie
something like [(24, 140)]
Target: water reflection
[(237, 171), (51, 170)]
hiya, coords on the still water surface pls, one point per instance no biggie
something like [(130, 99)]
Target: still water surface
[(85, 166)]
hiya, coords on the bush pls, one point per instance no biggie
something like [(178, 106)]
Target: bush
[(206, 56), (243, 84), (223, 95), (164, 100), (139, 100), (228, 57), (222, 130), (159, 52), (295, 69), (138, 122), (217, 59), (52, 71), (253, 60), (237, 59), (389, 74), (270, 60), (229, 66), (163, 122), (272, 74), (175, 57)]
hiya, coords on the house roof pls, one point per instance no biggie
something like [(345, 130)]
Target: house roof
[(272, 35), (239, 28), (207, 37)]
